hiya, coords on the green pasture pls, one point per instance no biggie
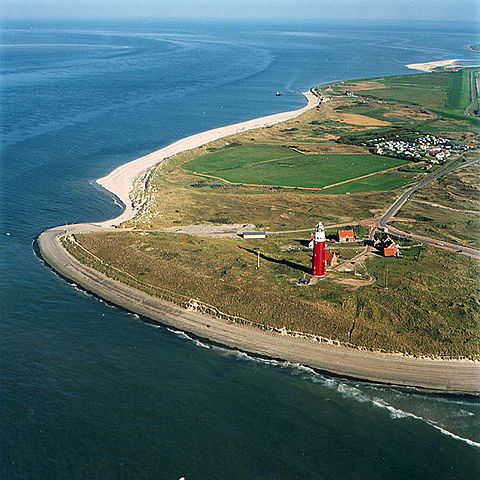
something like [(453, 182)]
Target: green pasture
[(369, 110), (459, 95), (446, 93), (266, 165), (430, 89), (376, 183)]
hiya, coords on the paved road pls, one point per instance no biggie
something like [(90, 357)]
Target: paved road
[(398, 204), (437, 243), (453, 376)]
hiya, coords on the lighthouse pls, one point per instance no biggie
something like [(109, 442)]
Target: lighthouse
[(318, 269)]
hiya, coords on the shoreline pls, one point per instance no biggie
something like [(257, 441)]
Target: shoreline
[(441, 376), (119, 182), (431, 66), (447, 376)]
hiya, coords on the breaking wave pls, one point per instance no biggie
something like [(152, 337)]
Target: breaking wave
[(344, 388)]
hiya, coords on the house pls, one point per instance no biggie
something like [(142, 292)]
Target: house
[(345, 236), (330, 258), (390, 250), (387, 247)]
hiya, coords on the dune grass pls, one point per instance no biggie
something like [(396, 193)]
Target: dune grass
[(416, 314), (430, 305)]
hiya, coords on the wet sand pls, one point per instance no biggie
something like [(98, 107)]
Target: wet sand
[(430, 66), (453, 376)]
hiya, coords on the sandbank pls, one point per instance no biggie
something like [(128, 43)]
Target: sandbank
[(430, 66)]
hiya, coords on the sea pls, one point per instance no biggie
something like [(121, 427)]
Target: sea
[(91, 391)]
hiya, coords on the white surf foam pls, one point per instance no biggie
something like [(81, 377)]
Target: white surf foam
[(397, 413), (453, 435), (351, 391), (184, 335), (347, 390)]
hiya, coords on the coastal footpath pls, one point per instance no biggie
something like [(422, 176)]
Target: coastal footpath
[(454, 376)]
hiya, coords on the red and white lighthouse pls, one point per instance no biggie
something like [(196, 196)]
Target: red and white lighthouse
[(318, 269)]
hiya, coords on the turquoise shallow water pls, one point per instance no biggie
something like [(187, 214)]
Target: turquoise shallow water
[(91, 391)]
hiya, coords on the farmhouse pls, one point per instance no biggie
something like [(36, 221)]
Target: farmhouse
[(387, 247), (345, 236)]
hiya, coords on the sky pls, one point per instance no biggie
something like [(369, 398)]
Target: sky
[(441, 10)]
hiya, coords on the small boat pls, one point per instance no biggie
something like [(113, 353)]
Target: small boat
[(278, 94)]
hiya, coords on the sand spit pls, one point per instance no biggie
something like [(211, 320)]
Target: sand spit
[(120, 181), (430, 66)]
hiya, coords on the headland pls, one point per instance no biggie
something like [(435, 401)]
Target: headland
[(334, 356)]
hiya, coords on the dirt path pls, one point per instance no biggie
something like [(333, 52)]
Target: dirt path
[(365, 176), (206, 175), (476, 212), (454, 376)]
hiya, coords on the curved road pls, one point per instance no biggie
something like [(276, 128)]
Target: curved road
[(454, 376), (398, 204), (400, 201)]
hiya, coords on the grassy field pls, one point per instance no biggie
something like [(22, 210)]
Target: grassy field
[(445, 93), (459, 91), (417, 314), (429, 89), (383, 181), (267, 165), (177, 197)]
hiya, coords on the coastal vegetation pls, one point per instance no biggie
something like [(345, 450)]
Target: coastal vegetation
[(287, 177), (416, 313), (447, 210)]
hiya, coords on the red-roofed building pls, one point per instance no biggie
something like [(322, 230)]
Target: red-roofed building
[(330, 258), (345, 236), (391, 250), (387, 246)]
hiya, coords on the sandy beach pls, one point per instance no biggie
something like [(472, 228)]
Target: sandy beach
[(120, 181), (454, 376)]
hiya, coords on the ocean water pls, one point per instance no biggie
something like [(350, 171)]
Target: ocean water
[(90, 391)]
